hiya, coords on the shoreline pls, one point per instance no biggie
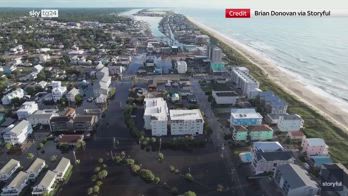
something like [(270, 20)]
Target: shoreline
[(287, 82)]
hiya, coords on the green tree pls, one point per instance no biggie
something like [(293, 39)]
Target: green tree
[(147, 175), (90, 191), (135, 168), (160, 156), (188, 177), (157, 180), (96, 189), (97, 169), (100, 160), (30, 156), (8, 146), (78, 99), (102, 174), (189, 193)]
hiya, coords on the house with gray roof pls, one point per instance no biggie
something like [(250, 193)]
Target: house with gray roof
[(16, 185), (35, 168), (7, 170), (62, 168), (46, 185), (294, 181)]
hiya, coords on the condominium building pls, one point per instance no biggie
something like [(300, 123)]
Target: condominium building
[(245, 117), (248, 85), (314, 146), (35, 168), (215, 54), (16, 185), (46, 185), (156, 116), (186, 122), (290, 122), (27, 109), (62, 168), (7, 99), (17, 134), (9, 169), (42, 117), (293, 181)]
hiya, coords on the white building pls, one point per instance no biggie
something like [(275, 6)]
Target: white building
[(245, 117), (225, 97), (101, 86), (72, 94), (18, 134), (18, 93), (294, 181), (16, 185), (156, 116), (62, 168), (42, 117), (46, 185), (38, 68), (245, 82), (27, 109), (186, 122), (57, 90), (290, 122), (9, 169), (35, 168), (314, 146), (181, 67)]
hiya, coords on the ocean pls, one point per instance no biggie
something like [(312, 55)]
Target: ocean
[(313, 49)]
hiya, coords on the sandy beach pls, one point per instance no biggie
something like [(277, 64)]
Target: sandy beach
[(331, 108)]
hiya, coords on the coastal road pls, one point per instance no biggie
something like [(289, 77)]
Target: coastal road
[(217, 138)]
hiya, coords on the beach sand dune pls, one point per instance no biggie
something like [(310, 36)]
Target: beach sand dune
[(331, 108)]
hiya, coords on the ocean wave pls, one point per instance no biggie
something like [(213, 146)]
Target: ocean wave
[(322, 60)]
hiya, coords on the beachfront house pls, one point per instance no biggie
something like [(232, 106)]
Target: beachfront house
[(46, 185), (271, 103), (239, 133), (62, 168), (16, 185), (9, 169), (35, 168), (314, 146), (293, 180), (290, 122)]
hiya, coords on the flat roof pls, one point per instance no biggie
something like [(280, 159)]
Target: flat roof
[(268, 146), (19, 180), (17, 129), (316, 141), (245, 113), (9, 166), (194, 114), (62, 164), (35, 166), (47, 179)]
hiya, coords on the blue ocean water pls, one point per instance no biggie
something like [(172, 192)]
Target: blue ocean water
[(315, 49)]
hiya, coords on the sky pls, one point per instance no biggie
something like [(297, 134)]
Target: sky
[(258, 4)]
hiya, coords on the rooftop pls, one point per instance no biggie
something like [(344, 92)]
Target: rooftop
[(225, 93), (18, 129), (245, 113), (315, 142), (194, 114), (35, 166), (296, 176), (69, 138), (19, 180), (47, 179), (275, 155), (268, 146), (62, 164), (9, 166), (84, 118), (260, 128)]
